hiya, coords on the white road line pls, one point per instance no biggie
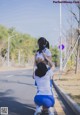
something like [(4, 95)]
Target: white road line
[(9, 76), (23, 72), (31, 108)]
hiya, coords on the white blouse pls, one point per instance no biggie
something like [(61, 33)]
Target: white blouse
[(40, 55), (43, 83)]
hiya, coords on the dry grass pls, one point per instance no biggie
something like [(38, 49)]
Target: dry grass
[(70, 83)]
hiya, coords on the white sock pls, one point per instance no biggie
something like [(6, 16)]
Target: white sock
[(51, 109)]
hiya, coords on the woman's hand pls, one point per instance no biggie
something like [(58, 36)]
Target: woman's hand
[(40, 60), (48, 59), (45, 56)]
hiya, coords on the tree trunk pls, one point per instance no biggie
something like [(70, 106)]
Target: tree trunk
[(77, 58)]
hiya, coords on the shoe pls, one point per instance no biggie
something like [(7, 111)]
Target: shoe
[(45, 110), (38, 111), (51, 111)]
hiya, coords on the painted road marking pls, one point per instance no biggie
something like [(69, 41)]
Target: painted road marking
[(10, 76)]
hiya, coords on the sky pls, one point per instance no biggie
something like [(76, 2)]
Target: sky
[(37, 17)]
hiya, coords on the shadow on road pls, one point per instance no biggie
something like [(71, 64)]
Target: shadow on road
[(15, 107), (18, 82)]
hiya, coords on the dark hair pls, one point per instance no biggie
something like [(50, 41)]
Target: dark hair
[(41, 69), (43, 43)]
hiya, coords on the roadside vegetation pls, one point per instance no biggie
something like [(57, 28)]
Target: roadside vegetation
[(21, 46)]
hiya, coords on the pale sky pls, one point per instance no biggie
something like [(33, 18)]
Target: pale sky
[(36, 17)]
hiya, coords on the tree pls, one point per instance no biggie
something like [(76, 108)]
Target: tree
[(21, 45), (55, 55)]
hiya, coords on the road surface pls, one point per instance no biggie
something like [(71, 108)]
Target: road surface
[(17, 92)]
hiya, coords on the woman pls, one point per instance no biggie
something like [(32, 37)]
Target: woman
[(43, 48), (44, 97)]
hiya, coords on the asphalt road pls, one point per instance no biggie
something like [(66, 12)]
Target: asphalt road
[(17, 92)]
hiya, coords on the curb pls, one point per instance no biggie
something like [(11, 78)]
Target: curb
[(71, 103)]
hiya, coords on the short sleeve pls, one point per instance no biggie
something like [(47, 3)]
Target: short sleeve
[(50, 73), (47, 52)]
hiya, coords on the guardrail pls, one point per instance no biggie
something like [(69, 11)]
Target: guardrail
[(71, 103)]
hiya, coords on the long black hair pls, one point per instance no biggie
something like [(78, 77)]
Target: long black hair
[(43, 43), (41, 69)]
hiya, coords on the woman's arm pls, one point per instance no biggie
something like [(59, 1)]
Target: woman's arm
[(34, 65), (49, 59)]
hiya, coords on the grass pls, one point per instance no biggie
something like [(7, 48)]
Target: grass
[(70, 83), (76, 98)]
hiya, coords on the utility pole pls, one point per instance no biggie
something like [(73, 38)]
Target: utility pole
[(9, 49), (60, 36)]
